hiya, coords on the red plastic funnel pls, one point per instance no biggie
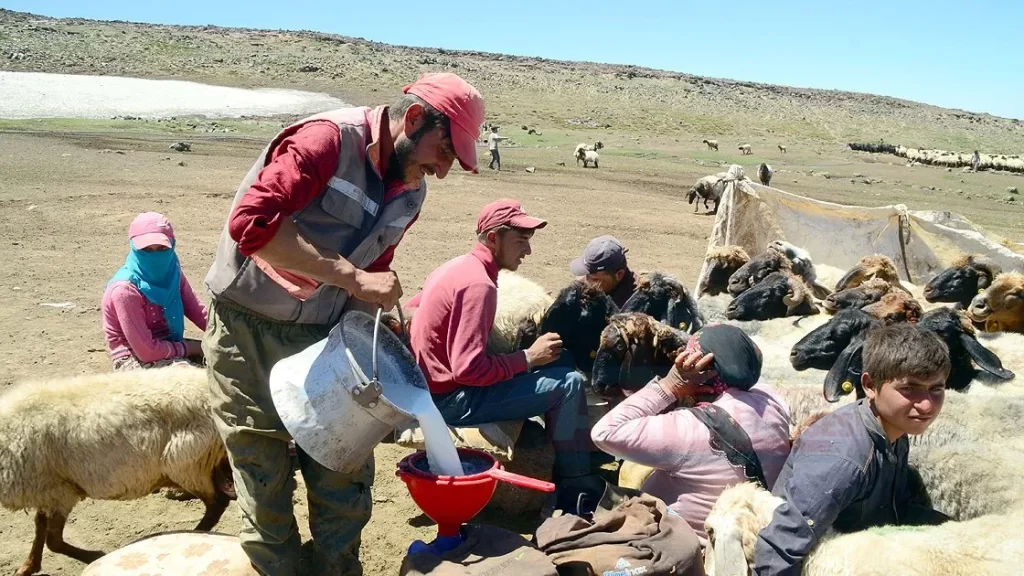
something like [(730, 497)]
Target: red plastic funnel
[(451, 501)]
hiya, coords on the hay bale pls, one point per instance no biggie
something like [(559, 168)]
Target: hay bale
[(183, 553), (633, 475)]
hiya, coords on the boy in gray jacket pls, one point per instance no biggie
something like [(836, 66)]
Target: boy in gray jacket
[(849, 469)]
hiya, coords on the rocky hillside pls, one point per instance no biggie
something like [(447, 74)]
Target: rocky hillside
[(519, 90)]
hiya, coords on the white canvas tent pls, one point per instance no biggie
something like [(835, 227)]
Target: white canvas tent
[(921, 243)]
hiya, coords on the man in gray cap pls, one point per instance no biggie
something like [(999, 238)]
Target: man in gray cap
[(603, 265)]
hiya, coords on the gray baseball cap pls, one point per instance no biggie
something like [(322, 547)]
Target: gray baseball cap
[(602, 254)]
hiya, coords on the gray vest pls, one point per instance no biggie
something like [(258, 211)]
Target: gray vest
[(349, 217)]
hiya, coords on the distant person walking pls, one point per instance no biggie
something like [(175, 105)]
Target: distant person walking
[(492, 145), (975, 161)]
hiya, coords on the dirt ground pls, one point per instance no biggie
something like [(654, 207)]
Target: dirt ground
[(66, 201)]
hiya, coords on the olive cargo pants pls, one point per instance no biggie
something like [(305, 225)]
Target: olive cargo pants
[(240, 350)]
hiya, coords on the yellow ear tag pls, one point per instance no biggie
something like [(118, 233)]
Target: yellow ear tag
[(682, 325), (847, 386), (981, 290), (593, 353)]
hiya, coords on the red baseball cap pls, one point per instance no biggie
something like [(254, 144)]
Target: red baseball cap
[(506, 212), (151, 229), (461, 103)]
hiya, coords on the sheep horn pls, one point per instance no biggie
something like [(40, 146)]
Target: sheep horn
[(795, 296), (989, 267), (848, 278)]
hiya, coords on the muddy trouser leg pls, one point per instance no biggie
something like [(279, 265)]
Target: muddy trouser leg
[(339, 508), (240, 349)]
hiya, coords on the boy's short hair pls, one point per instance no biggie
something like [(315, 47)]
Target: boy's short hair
[(904, 350)]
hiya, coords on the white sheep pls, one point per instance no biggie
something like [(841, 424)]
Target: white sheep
[(584, 147), (712, 144), (745, 149), (988, 545), (519, 299), (114, 436), (588, 157)]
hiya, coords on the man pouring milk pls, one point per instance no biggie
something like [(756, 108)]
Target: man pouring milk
[(314, 224)]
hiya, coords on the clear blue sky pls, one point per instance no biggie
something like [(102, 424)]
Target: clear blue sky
[(965, 54)]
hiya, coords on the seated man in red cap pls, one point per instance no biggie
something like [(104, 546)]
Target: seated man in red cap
[(312, 232), (455, 313)]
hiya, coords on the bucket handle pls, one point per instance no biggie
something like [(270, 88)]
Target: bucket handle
[(367, 392)]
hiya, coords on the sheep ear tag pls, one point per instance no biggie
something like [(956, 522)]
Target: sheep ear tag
[(844, 376), (593, 354), (985, 358)]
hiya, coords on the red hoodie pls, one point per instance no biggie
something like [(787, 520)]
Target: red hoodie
[(455, 314)]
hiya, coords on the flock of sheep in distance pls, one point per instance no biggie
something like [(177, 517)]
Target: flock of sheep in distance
[(122, 436)]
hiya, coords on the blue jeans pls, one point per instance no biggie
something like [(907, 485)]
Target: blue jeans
[(554, 391)]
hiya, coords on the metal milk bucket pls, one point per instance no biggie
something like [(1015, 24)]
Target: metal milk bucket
[(335, 413)]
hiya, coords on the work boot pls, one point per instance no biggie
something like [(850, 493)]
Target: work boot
[(579, 496)]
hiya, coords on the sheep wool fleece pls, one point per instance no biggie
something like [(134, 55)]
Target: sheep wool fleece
[(241, 348)]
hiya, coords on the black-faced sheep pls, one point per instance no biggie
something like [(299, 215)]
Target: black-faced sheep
[(857, 297), (764, 174), (722, 262), (578, 315), (803, 266), (634, 349), (712, 144), (961, 282), (745, 149), (779, 295), (708, 188), (757, 269), (1000, 308), (666, 300), (820, 347), (588, 157), (985, 545), (955, 330), (782, 148), (958, 333), (116, 436), (868, 267)]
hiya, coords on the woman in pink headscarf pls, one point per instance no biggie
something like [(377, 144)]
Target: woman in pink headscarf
[(147, 300)]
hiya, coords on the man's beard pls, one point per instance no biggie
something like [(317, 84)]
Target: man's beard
[(399, 160)]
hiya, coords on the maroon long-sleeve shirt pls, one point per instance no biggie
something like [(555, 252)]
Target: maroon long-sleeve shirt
[(454, 315), (300, 162)]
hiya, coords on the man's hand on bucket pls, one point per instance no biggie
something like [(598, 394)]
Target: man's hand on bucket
[(378, 288)]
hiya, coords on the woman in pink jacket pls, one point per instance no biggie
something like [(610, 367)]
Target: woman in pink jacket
[(721, 367), (147, 300)]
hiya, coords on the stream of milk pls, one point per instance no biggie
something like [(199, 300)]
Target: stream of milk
[(441, 453), (442, 456)]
